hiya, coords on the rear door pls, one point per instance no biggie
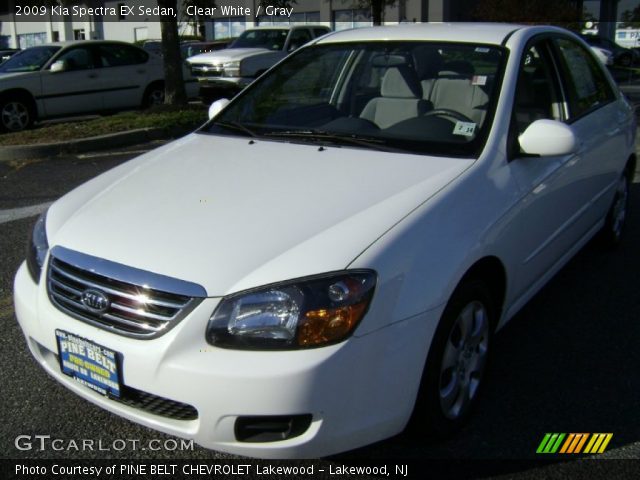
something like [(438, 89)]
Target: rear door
[(597, 118), (126, 71)]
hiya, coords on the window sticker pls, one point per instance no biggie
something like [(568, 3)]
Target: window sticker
[(482, 50), (479, 80), (466, 129)]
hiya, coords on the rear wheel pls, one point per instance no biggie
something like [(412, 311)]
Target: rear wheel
[(625, 60), (454, 372), (154, 95), (613, 229), (16, 114)]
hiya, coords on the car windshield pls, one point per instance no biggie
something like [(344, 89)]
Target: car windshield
[(272, 39), (420, 97), (28, 60)]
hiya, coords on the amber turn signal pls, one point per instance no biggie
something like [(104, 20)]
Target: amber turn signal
[(320, 327)]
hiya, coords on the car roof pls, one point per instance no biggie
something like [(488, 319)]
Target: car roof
[(287, 27), (69, 43), (489, 33)]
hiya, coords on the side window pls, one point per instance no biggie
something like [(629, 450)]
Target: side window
[(80, 58), (115, 55), (537, 96), (298, 38), (587, 85)]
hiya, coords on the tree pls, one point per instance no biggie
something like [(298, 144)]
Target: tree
[(174, 91), (566, 13), (377, 8), (196, 21), (630, 18)]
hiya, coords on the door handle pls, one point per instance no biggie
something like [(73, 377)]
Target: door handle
[(92, 75)]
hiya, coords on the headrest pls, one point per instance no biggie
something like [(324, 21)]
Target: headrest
[(400, 82), (428, 62)]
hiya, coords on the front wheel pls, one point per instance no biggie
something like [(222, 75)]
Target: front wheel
[(455, 368), (15, 115)]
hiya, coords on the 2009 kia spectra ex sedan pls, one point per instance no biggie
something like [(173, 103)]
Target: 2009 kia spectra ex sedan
[(330, 255)]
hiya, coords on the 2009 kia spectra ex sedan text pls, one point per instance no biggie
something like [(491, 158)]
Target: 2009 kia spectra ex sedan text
[(331, 254)]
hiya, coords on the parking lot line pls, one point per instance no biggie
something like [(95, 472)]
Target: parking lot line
[(13, 214)]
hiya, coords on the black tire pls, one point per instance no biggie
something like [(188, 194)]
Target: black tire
[(440, 412), (154, 95), (614, 225), (625, 60), (16, 113)]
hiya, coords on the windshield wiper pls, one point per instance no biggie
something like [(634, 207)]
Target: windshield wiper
[(233, 125), (339, 138)]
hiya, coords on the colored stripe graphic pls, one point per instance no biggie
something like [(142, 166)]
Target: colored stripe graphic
[(550, 443), (598, 443), (574, 443)]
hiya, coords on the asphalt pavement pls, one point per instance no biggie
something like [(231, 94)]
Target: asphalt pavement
[(568, 362)]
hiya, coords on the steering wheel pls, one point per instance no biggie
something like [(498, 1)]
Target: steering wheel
[(447, 112)]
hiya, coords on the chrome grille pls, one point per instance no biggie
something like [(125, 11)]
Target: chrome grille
[(200, 70), (134, 307)]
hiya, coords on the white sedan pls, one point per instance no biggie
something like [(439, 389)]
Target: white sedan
[(329, 257), (77, 77)]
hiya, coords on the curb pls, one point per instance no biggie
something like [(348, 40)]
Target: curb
[(90, 144)]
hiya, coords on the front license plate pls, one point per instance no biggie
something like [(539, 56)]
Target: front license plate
[(92, 365)]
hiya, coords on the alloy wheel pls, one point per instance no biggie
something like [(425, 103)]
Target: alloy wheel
[(15, 116), (463, 360)]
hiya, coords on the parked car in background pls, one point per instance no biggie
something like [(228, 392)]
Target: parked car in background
[(255, 51), (622, 56), (602, 54), (329, 257), (191, 49), (76, 77), (188, 48), (6, 53)]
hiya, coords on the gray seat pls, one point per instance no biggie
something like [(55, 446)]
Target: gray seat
[(453, 89), (401, 98)]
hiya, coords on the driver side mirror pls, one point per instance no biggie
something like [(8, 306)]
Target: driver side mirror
[(216, 107), (59, 66), (548, 138)]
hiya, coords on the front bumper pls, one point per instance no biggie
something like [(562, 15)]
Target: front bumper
[(225, 82), (358, 392)]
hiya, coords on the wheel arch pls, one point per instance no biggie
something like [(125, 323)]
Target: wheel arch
[(21, 92), (149, 87), (491, 271), (631, 165)]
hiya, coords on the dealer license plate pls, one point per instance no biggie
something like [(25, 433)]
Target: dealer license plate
[(91, 364)]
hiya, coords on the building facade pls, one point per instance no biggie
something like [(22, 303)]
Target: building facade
[(22, 31)]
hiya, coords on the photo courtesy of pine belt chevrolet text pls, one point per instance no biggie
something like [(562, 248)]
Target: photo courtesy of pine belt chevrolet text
[(326, 261)]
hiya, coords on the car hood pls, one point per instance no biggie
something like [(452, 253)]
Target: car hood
[(226, 55), (229, 213)]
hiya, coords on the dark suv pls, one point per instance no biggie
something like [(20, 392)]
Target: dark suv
[(622, 56)]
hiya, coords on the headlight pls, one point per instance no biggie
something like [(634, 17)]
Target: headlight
[(303, 313), (37, 248), (231, 69)]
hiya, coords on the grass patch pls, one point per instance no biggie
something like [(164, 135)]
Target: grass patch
[(170, 117)]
